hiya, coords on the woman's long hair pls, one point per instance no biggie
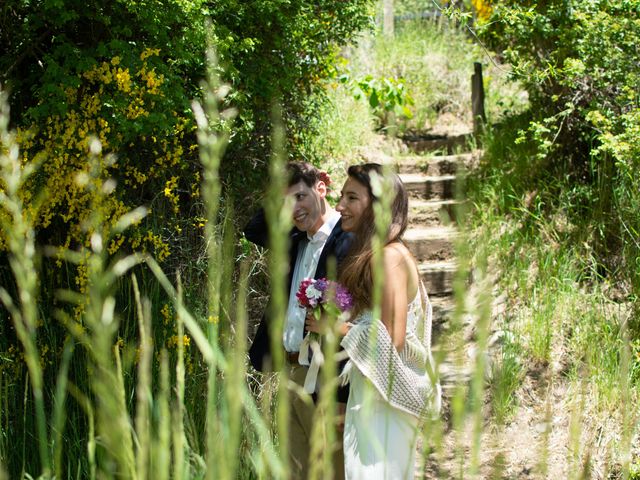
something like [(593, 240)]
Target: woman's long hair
[(356, 270)]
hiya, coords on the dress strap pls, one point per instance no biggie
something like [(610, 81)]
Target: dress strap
[(427, 311)]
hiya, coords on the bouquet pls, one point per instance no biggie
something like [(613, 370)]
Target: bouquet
[(320, 296)]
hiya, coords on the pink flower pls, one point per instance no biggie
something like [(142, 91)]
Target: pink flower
[(301, 294), (324, 177)]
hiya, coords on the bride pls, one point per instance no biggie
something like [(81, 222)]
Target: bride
[(390, 369)]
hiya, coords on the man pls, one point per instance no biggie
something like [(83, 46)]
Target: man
[(316, 236)]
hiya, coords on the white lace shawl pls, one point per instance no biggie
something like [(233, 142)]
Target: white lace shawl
[(405, 379)]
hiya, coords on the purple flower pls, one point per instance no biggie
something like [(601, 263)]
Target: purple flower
[(315, 292), (344, 301), (322, 284)]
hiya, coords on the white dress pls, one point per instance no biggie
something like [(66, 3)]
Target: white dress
[(383, 417)]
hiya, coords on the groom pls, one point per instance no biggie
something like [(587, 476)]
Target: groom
[(316, 236)]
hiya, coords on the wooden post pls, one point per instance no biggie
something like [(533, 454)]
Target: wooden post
[(387, 18), (477, 98)]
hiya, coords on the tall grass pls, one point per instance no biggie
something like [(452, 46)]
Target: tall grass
[(146, 414), (560, 327), (154, 435), (21, 243)]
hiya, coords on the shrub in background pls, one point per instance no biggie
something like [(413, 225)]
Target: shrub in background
[(429, 62), (577, 61)]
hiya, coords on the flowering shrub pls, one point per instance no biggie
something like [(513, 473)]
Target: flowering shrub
[(483, 9), (125, 73), (95, 77), (122, 102)]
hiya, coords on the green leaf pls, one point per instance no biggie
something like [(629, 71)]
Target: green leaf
[(373, 99)]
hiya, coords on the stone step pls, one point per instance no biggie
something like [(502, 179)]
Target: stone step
[(442, 308), (451, 375), (433, 165), (426, 187), (432, 212), (438, 277), (447, 144), (431, 243)]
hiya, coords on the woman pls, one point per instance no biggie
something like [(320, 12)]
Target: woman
[(392, 386)]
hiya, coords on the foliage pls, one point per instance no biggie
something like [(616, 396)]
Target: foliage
[(506, 377), (126, 104), (339, 127), (104, 441), (410, 9), (47, 43), (388, 97), (577, 62), (124, 73), (557, 304), (435, 60), (274, 49)]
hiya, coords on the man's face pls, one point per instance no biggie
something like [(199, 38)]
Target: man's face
[(308, 206)]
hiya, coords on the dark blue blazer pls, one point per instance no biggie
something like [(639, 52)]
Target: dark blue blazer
[(337, 246)]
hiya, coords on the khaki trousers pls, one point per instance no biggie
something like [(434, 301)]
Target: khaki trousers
[(301, 420)]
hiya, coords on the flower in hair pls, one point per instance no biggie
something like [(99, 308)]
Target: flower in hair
[(324, 177)]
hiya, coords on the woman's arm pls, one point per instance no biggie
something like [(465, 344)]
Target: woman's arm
[(394, 295), (312, 325)]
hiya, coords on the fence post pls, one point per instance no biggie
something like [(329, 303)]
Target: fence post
[(387, 18), (477, 98)]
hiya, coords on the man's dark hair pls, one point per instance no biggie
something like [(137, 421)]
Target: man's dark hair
[(302, 171)]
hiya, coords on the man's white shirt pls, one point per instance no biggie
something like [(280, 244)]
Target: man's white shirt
[(309, 251)]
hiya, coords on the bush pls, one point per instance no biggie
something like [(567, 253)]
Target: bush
[(126, 73), (577, 60), (268, 50)]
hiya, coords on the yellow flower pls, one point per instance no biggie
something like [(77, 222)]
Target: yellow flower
[(169, 192), (148, 52), (166, 314), (174, 340), (483, 9), (123, 78)]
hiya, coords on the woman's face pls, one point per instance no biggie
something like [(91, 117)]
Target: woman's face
[(354, 201)]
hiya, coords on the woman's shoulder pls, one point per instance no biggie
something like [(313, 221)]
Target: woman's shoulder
[(397, 251), (397, 255)]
